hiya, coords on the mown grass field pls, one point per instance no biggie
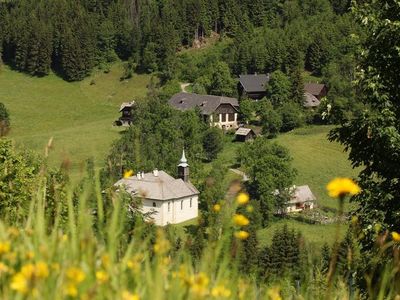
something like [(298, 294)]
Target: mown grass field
[(78, 115), (317, 160)]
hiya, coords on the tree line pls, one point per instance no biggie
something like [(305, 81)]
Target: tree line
[(72, 37)]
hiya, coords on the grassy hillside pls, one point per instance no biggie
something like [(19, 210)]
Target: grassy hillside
[(317, 160), (77, 115)]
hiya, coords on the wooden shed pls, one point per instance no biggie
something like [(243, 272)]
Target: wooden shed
[(245, 134)]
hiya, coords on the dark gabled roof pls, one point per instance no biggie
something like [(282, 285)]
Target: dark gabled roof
[(310, 100), (206, 103), (314, 88), (255, 83)]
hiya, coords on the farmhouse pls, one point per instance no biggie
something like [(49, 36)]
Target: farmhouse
[(318, 90), (217, 110), (169, 200), (245, 134), (310, 101), (253, 86), (126, 110), (301, 198)]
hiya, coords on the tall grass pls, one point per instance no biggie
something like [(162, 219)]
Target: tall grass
[(95, 256)]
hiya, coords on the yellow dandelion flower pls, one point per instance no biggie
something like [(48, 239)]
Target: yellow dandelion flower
[(126, 295), (396, 236), (240, 220), (242, 198), (20, 283), (217, 207), (28, 270), (5, 247), (274, 293), (71, 290), (199, 284), (128, 174), (41, 270), (102, 276), (242, 235), (220, 291), (340, 187), (134, 262), (75, 275)]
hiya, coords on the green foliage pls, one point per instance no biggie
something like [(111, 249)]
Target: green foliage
[(213, 142), (269, 168), (373, 137), (169, 89), (4, 120), (292, 116), (271, 120), (155, 140), (247, 110), (221, 82), (279, 88), (19, 175)]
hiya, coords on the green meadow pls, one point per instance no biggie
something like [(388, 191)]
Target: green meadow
[(78, 116)]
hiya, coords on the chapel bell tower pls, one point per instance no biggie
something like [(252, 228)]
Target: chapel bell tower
[(183, 168)]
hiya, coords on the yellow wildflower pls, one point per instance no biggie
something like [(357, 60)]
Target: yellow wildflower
[(41, 270), (199, 284), (240, 220), (20, 283), (396, 236), (217, 207), (75, 275), (242, 198), (162, 245), (340, 187), (134, 262), (220, 291), (129, 296), (4, 247), (71, 290), (274, 293), (102, 276), (242, 235), (128, 174)]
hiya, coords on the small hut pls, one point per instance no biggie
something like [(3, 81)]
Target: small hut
[(126, 110), (245, 134)]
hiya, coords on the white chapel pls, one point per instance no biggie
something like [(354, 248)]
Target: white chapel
[(171, 200)]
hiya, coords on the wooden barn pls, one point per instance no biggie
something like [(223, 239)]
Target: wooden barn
[(126, 118), (245, 134)]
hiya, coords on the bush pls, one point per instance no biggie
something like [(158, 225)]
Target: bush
[(4, 120), (271, 121), (292, 116), (213, 142)]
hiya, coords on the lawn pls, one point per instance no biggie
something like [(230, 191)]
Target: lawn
[(317, 160), (78, 115)]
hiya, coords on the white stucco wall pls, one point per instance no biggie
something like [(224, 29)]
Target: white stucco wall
[(175, 214)]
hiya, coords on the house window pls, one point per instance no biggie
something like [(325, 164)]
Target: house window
[(154, 204), (190, 202), (169, 206), (181, 204), (223, 118), (231, 117)]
